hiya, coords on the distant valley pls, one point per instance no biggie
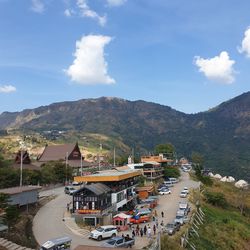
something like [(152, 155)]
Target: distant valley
[(221, 134)]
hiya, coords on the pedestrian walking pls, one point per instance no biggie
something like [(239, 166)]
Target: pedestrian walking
[(156, 215), (149, 232), (154, 228), (133, 233), (162, 214), (162, 223), (141, 232), (137, 230), (156, 222), (145, 230)]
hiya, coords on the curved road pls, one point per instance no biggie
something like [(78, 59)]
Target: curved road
[(48, 222)]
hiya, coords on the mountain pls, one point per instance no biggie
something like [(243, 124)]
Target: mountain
[(221, 134)]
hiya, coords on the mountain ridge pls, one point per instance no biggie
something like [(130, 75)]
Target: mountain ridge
[(222, 134)]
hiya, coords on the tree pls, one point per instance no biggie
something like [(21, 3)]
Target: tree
[(167, 149), (197, 158), (4, 198), (171, 172), (11, 215)]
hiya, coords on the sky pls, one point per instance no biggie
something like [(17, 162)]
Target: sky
[(189, 55)]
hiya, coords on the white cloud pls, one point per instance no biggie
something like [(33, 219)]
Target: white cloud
[(37, 6), (67, 13), (7, 89), (218, 68), (87, 12), (245, 44), (89, 66), (114, 3)]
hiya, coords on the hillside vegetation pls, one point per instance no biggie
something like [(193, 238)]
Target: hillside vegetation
[(221, 134)]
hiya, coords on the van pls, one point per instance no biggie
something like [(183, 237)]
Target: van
[(173, 180)]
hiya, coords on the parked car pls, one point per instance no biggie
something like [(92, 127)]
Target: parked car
[(186, 190), (183, 194), (164, 191), (76, 183), (168, 183), (162, 186), (173, 180), (185, 207), (171, 228), (118, 241), (103, 232), (137, 219), (181, 219), (69, 190)]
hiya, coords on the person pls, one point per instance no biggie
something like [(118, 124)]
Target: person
[(156, 213), (141, 232), (145, 229), (162, 223), (149, 232), (123, 236), (154, 228), (133, 234), (156, 222), (68, 207), (162, 214), (137, 230)]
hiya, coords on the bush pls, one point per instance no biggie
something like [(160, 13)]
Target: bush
[(216, 199)]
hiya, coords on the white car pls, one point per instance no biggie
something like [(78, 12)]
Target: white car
[(103, 232), (183, 194), (165, 191), (186, 190)]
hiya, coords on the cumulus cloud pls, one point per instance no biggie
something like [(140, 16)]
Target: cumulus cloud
[(37, 6), (218, 68), (67, 13), (114, 3), (245, 44), (7, 89), (87, 12), (89, 66)]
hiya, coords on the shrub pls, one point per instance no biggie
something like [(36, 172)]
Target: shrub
[(216, 199)]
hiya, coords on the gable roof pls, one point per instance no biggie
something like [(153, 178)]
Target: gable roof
[(96, 188), (56, 152)]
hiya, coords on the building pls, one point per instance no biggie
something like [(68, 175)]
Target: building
[(94, 203), (151, 170), (22, 196), (26, 161), (68, 153), (122, 182), (145, 192), (161, 158)]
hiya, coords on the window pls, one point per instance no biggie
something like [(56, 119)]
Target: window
[(119, 241)]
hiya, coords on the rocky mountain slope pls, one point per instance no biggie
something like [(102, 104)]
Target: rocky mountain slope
[(221, 134)]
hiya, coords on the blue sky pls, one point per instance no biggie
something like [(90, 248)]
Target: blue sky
[(189, 55)]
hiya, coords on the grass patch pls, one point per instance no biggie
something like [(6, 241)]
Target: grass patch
[(223, 229)]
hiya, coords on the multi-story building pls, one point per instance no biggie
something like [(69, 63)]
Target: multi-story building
[(151, 170), (161, 158), (122, 182)]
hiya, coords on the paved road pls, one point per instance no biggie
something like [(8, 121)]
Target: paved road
[(48, 222)]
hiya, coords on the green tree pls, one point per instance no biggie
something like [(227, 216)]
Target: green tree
[(11, 215), (4, 198), (171, 172), (167, 149), (9, 177)]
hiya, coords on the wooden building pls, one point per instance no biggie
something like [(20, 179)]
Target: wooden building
[(94, 203)]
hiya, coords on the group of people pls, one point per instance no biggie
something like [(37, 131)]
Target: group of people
[(146, 229), (143, 231)]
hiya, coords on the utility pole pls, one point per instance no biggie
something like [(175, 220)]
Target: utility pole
[(114, 157), (81, 164), (21, 169), (99, 162), (66, 162)]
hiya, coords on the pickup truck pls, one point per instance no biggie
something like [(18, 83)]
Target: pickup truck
[(119, 242)]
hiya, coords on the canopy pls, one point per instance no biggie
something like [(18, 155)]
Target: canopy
[(122, 216), (241, 184), (217, 176)]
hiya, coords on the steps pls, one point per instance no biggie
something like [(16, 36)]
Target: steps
[(12, 246)]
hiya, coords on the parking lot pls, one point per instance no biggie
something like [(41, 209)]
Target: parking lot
[(49, 223)]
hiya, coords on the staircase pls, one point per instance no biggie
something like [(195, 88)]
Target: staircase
[(12, 246)]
